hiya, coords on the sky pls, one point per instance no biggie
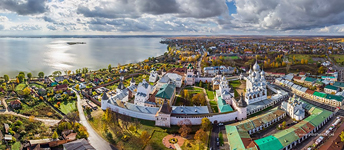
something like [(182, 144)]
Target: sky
[(171, 17)]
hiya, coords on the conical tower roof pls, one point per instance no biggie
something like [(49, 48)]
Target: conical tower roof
[(105, 96)]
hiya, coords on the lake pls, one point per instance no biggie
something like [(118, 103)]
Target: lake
[(51, 54)]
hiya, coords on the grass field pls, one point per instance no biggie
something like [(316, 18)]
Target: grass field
[(210, 94), (20, 86), (213, 105), (301, 56), (16, 146), (235, 83), (338, 58), (231, 57), (66, 106), (39, 110), (37, 85)]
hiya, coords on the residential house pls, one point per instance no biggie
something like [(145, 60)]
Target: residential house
[(143, 91), (176, 78), (166, 93), (298, 79), (330, 89), (153, 77), (59, 79), (81, 144), (63, 87), (339, 84), (7, 127), (15, 104), (164, 80), (309, 81)]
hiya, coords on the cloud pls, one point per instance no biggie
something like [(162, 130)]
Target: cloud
[(51, 27), (3, 19), (135, 8), (1, 27), (281, 15), (26, 7), (26, 27)]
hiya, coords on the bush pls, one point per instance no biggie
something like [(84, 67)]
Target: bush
[(125, 138), (173, 140)]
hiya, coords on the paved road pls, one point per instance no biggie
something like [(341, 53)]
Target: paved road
[(95, 140)]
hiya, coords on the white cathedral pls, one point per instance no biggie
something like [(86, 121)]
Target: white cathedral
[(255, 85)]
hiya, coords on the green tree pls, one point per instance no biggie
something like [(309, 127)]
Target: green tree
[(57, 73), (109, 67), (200, 84), (6, 78), (29, 76), (208, 86), (41, 74), (21, 78), (65, 81), (206, 124), (55, 135)]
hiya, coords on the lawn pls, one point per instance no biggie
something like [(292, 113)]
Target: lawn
[(232, 57), (235, 83), (67, 106), (20, 87), (16, 146), (338, 58), (210, 94), (39, 110), (36, 85), (155, 142), (214, 107), (298, 57)]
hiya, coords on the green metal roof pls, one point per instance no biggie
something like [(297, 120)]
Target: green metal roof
[(234, 138), (317, 119), (338, 84), (223, 106), (309, 79), (334, 97), (166, 91), (323, 77), (319, 94), (331, 87), (286, 136), (269, 143)]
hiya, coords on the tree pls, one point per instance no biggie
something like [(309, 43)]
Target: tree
[(55, 135), (306, 61), (65, 81), (26, 91), (109, 67), (184, 130), (321, 69), (201, 136), (21, 78), (293, 58), (206, 124), (208, 86), (284, 124), (302, 61), (57, 73), (41, 74), (77, 87), (200, 84), (342, 136), (32, 118), (144, 136), (83, 132), (6, 78), (29, 76), (186, 94), (108, 115)]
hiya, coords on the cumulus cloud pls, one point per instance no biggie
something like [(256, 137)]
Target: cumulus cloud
[(281, 15), (3, 19), (135, 8), (26, 27), (24, 7), (1, 27)]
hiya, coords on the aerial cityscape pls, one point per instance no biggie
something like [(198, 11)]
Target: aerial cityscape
[(171, 74)]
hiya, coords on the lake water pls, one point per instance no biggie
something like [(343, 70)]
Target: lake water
[(51, 54)]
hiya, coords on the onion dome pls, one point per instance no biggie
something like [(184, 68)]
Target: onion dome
[(256, 67)]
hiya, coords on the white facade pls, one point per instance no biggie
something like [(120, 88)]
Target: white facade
[(153, 76), (255, 85), (143, 91), (190, 76), (176, 78), (294, 109)]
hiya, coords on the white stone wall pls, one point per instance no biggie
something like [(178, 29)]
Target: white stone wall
[(131, 113), (198, 120), (209, 79)]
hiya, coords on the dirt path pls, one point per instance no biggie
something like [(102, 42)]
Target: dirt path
[(50, 122), (241, 88)]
